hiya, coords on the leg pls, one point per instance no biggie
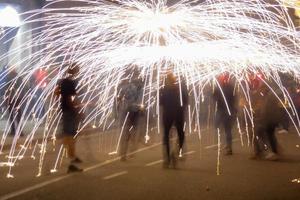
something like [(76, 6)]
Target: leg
[(259, 132), (124, 145), (126, 136), (286, 122), (135, 131), (18, 119), (11, 119), (227, 123), (70, 125), (69, 143), (272, 138), (179, 126), (166, 143)]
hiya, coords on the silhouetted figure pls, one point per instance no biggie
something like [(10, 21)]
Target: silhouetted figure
[(131, 96), (39, 82), (268, 113), (226, 111), (173, 104), (13, 96), (70, 114), (296, 100)]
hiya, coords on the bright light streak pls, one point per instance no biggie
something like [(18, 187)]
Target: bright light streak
[(219, 151), (6, 164), (196, 41)]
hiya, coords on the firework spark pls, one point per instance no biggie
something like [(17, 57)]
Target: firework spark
[(196, 40)]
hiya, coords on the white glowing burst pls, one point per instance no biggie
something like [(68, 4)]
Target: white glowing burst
[(196, 40)]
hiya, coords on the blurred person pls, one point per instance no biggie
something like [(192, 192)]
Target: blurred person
[(130, 98), (14, 96), (296, 99), (173, 112), (226, 111), (287, 85), (71, 115), (40, 82), (267, 113), (242, 105), (295, 96), (284, 123)]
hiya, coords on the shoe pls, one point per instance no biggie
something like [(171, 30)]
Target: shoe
[(228, 151), (255, 157), (73, 168), (131, 156), (123, 158), (271, 156), (181, 156), (76, 160)]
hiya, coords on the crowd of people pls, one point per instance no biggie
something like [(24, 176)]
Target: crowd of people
[(14, 93), (267, 106)]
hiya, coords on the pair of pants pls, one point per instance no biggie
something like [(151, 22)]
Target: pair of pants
[(14, 119), (69, 143), (226, 121), (168, 120), (70, 121), (265, 133), (131, 123)]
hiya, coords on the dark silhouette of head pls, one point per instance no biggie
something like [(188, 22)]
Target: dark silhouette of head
[(223, 78), (170, 79), (73, 69)]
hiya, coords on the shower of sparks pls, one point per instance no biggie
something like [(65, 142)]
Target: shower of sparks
[(219, 151), (196, 39)]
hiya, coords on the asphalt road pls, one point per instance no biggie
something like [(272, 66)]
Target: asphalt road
[(142, 176)]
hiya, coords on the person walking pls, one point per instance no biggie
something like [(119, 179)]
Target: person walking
[(268, 114), (131, 99), (173, 101), (225, 100)]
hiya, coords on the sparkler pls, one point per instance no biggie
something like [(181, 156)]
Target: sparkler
[(197, 40)]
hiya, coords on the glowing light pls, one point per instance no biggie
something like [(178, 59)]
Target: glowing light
[(296, 180), (294, 4), (9, 176), (9, 17)]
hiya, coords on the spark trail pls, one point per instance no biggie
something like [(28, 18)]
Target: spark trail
[(197, 40)]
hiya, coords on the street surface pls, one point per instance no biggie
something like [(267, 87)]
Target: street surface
[(142, 175)]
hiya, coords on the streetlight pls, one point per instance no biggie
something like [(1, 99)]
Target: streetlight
[(10, 16)]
